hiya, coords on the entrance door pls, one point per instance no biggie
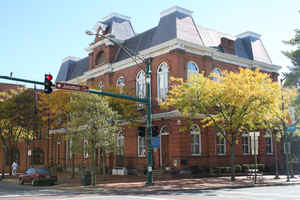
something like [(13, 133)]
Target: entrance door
[(164, 149)]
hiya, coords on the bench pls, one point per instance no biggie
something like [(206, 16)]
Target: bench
[(251, 175)]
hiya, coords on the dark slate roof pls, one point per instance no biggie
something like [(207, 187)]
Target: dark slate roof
[(72, 69), (138, 43)]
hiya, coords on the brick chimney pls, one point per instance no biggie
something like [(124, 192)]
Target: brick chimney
[(227, 45)]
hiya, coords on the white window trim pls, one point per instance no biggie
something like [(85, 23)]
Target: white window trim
[(120, 137), (249, 145), (220, 154), (197, 132), (140, 81), (85, 152), (159, 95), (256, 139), (141, 154)]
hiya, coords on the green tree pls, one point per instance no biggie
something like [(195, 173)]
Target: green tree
[(292, 77), (92, 127), (234, 103), (18, 121)]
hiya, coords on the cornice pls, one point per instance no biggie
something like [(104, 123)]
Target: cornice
[(183, 45)]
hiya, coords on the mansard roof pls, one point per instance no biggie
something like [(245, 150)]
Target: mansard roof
[(174, 23)]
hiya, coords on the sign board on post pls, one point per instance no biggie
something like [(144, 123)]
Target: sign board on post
[(291, 128), (156, 142), (69, 86)]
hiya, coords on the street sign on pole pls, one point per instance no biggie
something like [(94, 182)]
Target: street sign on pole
[(69, 86), (291, 128)]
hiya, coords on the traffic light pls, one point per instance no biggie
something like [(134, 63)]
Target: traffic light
[(48, 83)]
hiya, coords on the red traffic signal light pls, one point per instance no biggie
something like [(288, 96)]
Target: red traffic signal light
[(48, 77), (48, 83)]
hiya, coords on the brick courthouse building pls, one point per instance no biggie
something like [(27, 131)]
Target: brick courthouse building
[(178, 47)]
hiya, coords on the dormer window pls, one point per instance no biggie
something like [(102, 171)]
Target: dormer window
[(100, 59)]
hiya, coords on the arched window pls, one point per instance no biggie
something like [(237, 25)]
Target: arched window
[(216, 71), (100, 85), (221, 144), (121, 83), (37, 156), (162, 81), (164, 131), (120, 143), (195, 140), (100, 59), (191, 69), (140, 85)]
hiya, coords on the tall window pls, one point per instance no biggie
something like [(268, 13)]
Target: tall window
[(195, 140), (121, 83), (100, 59), (12, 154), (120, 144), (269, 146), (140, 85), (221, 144), (217, 72), (254, 137), (141, 146), (162, 81), (37, 156), (85, 148), (191, 69), (141, 141), (245, 143)]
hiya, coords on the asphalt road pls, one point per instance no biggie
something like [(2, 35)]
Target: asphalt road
[(10, 191)]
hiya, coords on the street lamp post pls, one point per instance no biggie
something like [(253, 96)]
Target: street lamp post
[(146, 100), (276, 155), (285, 137)]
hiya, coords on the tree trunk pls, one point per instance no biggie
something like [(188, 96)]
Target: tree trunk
[(103, 164), (73, 165), (4, 161), (94, 167), (233, 160)]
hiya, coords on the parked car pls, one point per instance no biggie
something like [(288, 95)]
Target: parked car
[(36, 176)]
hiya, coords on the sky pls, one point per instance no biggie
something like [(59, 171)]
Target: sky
[(37, 35)]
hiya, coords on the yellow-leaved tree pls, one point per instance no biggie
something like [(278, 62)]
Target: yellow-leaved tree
[(231, 102)]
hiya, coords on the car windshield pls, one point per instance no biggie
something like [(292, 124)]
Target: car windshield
[(42, 171)]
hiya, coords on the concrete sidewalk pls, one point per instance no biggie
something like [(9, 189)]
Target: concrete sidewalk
[(188, 184)]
